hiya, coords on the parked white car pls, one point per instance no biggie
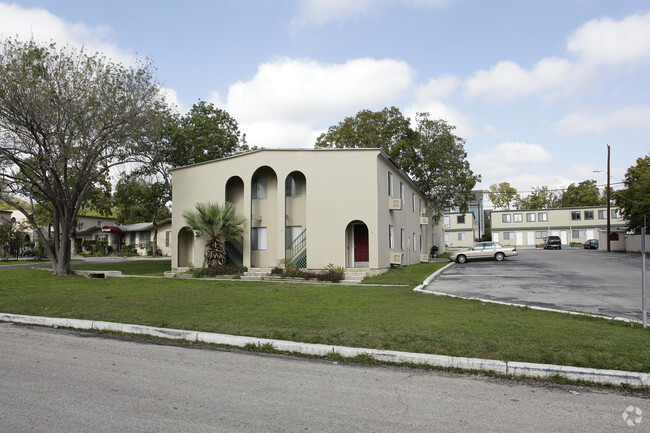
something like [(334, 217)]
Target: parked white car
[(484, 250)]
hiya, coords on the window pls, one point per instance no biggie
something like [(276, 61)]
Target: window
[(390, 184), (508, 236), (575, 215), (259, 188), (530, 217), (401, 238), (293, 187), (461, 236), (258, 238), (391, 237), (602, 214), (540, 235), (99, 223), (446, 237), (445, 221), (132, 238), (589, 214), (542, 216), (420, 200), (505, 218), (101, 238), (578, 234), (519, 217), (145, 237), (420, 242), (414, 242), (291, 235), (460, 219), (615, 214), (413, 201), (167, 236), (401, 191)]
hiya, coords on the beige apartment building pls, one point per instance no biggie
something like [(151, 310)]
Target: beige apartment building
[(461, 230), (529, 228), (313, 207)]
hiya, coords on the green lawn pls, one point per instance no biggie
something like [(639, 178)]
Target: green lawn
[(133, 267), (21, 262), (409, 275), (375, 317)]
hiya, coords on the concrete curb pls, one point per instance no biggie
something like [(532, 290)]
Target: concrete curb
[(432, 277), (610, 377)]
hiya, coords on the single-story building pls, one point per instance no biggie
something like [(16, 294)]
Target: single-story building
[(117, 236), (529, 227), (353, 208)]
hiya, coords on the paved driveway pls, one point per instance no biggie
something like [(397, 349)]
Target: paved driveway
[(580, 280)]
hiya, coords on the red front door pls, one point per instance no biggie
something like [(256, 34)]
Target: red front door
[(361, 243)]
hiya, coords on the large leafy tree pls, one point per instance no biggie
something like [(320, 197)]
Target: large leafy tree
[(502, 195), (539, 198), (586, 193), (634, 199), (66, 118), (217, 224), (431, 153)]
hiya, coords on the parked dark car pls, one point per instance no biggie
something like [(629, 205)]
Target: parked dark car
[(591, 244), (553, 243)]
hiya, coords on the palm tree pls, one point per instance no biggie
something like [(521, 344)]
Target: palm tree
[(217, 224)]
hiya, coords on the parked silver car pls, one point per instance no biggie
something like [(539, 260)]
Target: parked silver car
[(484, 250)]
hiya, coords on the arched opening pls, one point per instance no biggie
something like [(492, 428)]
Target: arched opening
[(357, 245), (235, 246), (264, 218), (185, 247), (295, 191)]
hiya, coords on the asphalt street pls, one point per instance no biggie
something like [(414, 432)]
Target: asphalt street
[(579, 280), (56, 380)]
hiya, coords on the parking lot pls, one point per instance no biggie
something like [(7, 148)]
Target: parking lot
[(570, 279)]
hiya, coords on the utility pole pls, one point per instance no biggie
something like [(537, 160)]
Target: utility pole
[(609, 213)]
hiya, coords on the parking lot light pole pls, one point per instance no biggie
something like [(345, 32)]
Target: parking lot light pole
[(609, 249)]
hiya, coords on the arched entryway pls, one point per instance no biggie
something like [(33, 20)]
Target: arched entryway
[(185, 247), (357, 245)]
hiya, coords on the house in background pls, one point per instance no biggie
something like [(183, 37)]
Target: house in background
[(461, 229), (353, 208), (529, 228), (142, 234), (89, 228)]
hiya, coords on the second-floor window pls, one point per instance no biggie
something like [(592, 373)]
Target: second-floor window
[(505, 218), (542, 216), (575, 215), (530, 217), (589, 214), (460, 219), (518, 217)]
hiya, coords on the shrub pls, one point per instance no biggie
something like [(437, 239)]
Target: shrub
[(129, 250), (332, 273)]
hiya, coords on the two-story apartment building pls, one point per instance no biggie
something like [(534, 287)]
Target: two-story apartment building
[(461, 229), (313, 207), (529, 228)]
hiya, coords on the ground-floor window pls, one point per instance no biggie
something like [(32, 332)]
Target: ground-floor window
[(258, 238), (540, 235), (402, 238), (461, 236), (391, 236), (578, 234), (508, 236)]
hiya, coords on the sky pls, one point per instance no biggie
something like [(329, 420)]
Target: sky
[(537, 89)]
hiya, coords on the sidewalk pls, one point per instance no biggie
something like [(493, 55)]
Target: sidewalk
[(515, 369)]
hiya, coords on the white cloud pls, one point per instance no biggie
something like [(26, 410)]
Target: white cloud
[(509, 160), (171, 97), (292, 92), (507, 80), (612, 42), (43, 26), (633, 117)]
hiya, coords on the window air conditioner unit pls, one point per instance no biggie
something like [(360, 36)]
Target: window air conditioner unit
[(424, 258), (395, 258), (424, 221), (394, 203)]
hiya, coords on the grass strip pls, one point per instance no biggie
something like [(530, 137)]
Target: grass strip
[(389, 318)]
